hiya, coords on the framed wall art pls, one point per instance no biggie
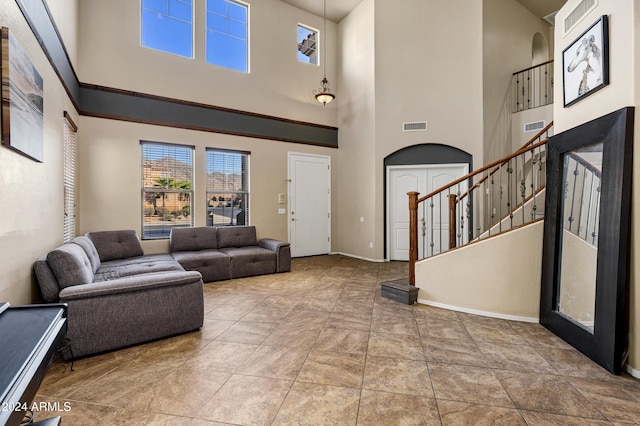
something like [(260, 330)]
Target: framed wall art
[(585, 63), (22, 100)]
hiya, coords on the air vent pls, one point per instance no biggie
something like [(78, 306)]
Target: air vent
[(579, 12), (418, 126), (532, 127)]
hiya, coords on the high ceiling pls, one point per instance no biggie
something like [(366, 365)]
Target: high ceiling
[(338, 9)]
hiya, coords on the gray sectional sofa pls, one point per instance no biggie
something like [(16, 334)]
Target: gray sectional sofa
[(116, 295), (221, 253)]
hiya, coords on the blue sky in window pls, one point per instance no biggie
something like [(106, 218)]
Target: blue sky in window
[(167, 25)]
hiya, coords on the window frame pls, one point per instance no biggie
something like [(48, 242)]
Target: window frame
[(213, 193), (317, 46), (247, 7), (168, 16), (160, 192)]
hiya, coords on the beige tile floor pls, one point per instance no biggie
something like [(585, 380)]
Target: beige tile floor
[(319, 346)]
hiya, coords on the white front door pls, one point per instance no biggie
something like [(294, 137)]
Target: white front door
[(309, 204), (432, 219)]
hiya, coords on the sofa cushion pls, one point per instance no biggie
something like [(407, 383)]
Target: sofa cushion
[(193, 238), (112, 245), (90, 249), (214, 265), (70, 265), (148, 264), (236, 236), (251, 260)]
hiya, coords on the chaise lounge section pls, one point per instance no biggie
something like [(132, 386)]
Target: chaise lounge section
[(116, 295)]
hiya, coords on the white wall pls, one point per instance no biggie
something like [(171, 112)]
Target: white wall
[(395, 68), (30, 192), (277, 84), (110, 172), (498, 277), (357, 134), (508, 33)]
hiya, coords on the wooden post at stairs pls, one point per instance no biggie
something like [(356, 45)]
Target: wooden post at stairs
[(413, 235), (452, 221)]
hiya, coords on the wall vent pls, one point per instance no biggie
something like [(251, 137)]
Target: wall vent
[(417, 126), (579, 12), (532, 127)]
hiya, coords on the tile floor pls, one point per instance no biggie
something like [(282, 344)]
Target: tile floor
[(319, 346)]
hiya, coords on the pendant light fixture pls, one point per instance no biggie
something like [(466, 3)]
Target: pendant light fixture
[(324, 94)]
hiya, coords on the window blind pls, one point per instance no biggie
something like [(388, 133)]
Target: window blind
[(70, 177), (167, 188), (227, 187)]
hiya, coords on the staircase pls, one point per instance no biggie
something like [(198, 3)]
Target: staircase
[(499, 197)]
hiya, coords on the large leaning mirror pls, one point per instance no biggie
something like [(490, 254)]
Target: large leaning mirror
[(586, 237)]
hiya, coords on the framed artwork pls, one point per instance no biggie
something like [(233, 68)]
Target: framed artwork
[(22, 100), (585, 63)]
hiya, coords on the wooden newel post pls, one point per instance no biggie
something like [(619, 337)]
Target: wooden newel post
[(452, 221), (413, 235)]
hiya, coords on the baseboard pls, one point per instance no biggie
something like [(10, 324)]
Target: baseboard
[(481, 313), (359, 257), (632, 371)]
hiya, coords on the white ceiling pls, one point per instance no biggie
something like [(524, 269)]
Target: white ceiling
[(338, 9)]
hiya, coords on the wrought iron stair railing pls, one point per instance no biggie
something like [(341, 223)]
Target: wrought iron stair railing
[(498, 197), (532, 87), (582, 198)]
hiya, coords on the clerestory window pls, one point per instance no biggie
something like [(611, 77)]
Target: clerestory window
[(167, 25), (227, 42), (307, 45)]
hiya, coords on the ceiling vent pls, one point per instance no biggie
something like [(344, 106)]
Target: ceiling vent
[(417, 126), (536, 125), (579, 12)]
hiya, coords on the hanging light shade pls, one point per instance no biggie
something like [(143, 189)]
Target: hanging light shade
[(324, 94)]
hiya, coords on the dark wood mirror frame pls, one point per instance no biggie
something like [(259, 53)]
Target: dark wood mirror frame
[(607, 343)]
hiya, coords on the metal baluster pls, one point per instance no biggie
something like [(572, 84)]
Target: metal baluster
[(523, 187), (509, 183), (573, 197), (596, 220), (584, 184), (534, 161), (458, 208), (432, 243), (423, 229), (500, 198)]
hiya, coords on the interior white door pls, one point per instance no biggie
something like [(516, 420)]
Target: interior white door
[(309, 204), (433, 221), (400, 181)]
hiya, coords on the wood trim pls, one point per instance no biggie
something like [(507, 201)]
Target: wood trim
[(201, 129), (534, 66), (198, 105), (73, 125)]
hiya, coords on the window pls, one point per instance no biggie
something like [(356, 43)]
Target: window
[(167, 188), (167, 25), (227, 187), (228, 34), (307, 45), (70, 177)]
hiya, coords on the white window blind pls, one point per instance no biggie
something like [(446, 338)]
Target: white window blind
[(70, 177), (227, 187), (167, 188)]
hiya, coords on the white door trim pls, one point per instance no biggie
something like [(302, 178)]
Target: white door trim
[(327, 158)]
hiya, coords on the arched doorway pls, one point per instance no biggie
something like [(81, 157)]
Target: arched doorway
[(421, 168)]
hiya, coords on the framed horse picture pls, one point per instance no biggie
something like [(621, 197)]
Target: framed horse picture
[(585, 63)]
